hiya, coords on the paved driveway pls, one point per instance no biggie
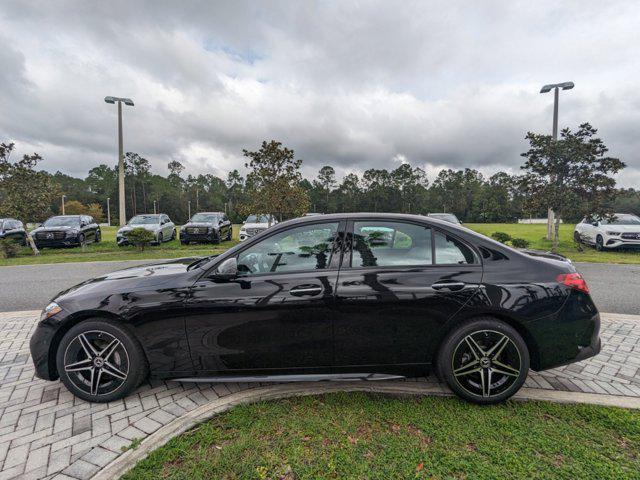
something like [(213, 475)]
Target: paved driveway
[(46, 432), (614, 287)]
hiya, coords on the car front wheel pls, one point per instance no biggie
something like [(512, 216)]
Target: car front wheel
[(100, 361), (599, 243), (484, 361)]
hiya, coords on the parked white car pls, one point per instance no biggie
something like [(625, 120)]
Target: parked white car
[(623, 230), (255, 224), (159, 224)]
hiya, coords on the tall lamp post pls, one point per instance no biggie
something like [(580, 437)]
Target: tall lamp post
[(108, 212), (556, 87), (121, 201), (63, 197)]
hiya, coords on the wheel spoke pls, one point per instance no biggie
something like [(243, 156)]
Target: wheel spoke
[(497, 348), (96, 373), (79, 366), (504, 369), (115, 372), (86, 346), (467, 369), (485, 379), (475, 348), (109, 349)]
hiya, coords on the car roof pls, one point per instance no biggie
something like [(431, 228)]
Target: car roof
[(366, 215), (69, 216), (208, 213)]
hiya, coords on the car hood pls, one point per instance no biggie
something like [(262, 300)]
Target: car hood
[(151, 228), (256, 225), (54, 229), (129, 280), (199, 224), (621, 228)]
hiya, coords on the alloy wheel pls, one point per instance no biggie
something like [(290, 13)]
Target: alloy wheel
[(486, 363), (96, 362)]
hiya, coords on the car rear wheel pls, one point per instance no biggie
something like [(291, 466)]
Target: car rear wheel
[(100, 361), (576, 237), (484, 361)]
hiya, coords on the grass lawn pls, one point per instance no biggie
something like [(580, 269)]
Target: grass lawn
[(359, 436), (108, 250)]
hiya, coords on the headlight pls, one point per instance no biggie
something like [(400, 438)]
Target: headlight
[(50, 310), (613, 233)]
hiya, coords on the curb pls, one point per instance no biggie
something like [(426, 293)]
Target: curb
[(160, 437)]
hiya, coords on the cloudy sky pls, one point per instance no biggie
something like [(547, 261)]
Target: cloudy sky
[(355, 84)]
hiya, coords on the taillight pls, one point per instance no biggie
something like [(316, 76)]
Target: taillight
[(573, 280)]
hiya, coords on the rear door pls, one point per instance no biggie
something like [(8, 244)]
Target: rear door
[(399, 283)]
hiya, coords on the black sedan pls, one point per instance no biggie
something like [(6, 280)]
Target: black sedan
[(357, 296), (206, 227), (67, 231), (13, 229)]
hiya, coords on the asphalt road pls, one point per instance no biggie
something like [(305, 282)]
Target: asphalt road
[(615, 288)]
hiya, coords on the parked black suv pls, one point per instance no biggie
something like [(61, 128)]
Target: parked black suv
[(13, 229), (67, 231), (206, 227)]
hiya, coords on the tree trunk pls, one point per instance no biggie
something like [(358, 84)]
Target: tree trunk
[(32, 244), (556, 234)]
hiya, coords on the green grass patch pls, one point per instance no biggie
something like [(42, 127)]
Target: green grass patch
[(359, 436), (108, 250)]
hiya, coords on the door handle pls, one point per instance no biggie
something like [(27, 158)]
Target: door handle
[(304, 290), (453, 286)]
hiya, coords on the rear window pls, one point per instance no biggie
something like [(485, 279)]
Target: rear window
[(385, 244)]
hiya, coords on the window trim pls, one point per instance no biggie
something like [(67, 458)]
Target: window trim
[(334, 262), (434, 229)]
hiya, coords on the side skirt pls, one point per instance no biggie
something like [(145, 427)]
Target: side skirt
[(291, 378)]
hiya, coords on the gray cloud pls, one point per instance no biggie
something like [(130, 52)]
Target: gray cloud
[(357, 85)]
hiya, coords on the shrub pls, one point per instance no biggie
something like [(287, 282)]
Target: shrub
[(501, 237), (9, 248), (140, 237), (520, 242)]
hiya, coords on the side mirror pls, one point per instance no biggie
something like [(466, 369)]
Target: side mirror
[(227, 270), (595, 224), (220, 222)]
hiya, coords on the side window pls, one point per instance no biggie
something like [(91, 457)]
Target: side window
[(449, 251), (386, 244), (307, 247)]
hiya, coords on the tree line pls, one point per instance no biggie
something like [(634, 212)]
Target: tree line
[(572, 174)]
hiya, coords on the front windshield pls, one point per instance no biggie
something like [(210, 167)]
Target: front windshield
[(62, 222), (622, 220), (258, 219), (205, 217), (144, 220)]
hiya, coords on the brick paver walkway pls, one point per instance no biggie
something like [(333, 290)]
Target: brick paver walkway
[(45, 432)]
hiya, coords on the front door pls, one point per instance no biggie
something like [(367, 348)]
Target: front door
[(399, 283), (276, 316)]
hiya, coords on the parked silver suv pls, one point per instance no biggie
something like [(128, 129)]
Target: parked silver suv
[(159, 224)]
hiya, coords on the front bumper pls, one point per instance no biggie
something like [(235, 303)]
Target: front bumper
[(199, 238), (65, 242), (39, 344), (615, 242)]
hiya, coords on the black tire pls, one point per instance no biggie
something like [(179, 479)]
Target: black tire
[(216, 238), (98, 237), (183, 242), (81, 240), (599, 243), (577, 238), (230, 235), (472, 376), (100, 381), (160, 239), (173, 235)]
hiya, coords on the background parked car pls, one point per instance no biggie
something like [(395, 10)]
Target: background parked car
[(206, 227), (13, 229), (623, 230), (255, 224), (447, 217), (67, 231), (158, 223)]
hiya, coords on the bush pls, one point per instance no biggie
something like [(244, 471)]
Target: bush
[(9, 248), (140, 237), (520, 242), (501, 237)]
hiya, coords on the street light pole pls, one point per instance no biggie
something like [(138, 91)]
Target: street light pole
[(121, 198), (189, 208), (556, 96), (63, 197), (108, 212), (154, 207)]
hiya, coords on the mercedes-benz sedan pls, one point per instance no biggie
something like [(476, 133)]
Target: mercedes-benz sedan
[(356, 296)]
